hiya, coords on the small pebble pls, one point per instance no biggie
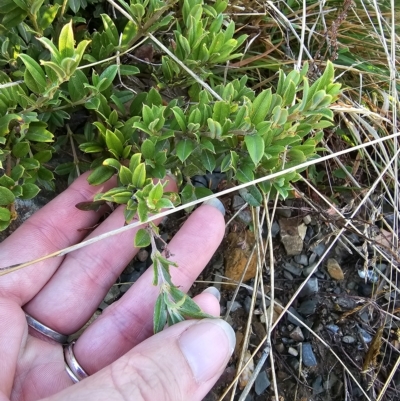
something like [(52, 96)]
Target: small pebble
[(142, 255), (351, 285), (280, 348), (334, 269), (312, 258), (348, 339), (235, 306), (307, 219), (301, 259), (307, 307), (309, 358), (112, 294), (307, 270), (332, 328), (317, 385), (320, 249), (310, 288), (295, 364), (293, 269), (297, 334), (293, 312), (262, 382), (247, 304), (292, 351), (365, 335), (288, 275), (346, 303), (275, 229)]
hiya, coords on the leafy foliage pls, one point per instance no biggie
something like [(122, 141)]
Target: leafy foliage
[(59, 63)]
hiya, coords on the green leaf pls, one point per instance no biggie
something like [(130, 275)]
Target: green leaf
[(48, 16), (125, 175), (107, 77), (66, 41), (155, 194), (76, 86), (245, 173), (139, 176), (6, 181), (38, 133), (35, 72), (20, 149), (114, 144), (160, 314), (180, 118), (5, 214), (221, 111), (255, 147), (128, 34), (142, 211), (251, 195), (17, 172), (142, 238), (208, 160), (260, 107), (6, 196), (128, 70), (110, 29), (29, 191), (184, 149), (100, 175), (148, 149)]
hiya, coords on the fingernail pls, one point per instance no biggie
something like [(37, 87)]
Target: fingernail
[(207, 347), (215, 202), (214, 291)]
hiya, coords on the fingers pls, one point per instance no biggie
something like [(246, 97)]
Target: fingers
[(183, 362), (130, 320), (88, 274), (54, 227), (13, 334)]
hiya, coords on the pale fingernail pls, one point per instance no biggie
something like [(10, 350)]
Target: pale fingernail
[(214, 291), (207, 347), (215, 202)]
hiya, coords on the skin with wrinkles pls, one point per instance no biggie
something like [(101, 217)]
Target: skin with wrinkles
[(118, 350)]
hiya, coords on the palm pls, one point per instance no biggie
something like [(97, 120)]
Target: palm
[(63, 294)]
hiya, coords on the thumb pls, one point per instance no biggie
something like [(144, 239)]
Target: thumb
[(182, 362)]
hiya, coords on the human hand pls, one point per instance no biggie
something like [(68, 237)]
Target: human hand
[(123, 359)]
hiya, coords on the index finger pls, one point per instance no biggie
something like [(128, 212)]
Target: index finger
[(54, 227)]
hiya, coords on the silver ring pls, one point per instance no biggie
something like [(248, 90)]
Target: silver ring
[(75, 371), (46, 331)]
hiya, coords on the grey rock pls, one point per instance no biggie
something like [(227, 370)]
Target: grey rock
[(351, 285), (245, 216), (275, 229), (292, 351), (295, 313), (287, 275), (295, 364), (348, 339), (284, 212), (309, 358), (237, 202), (293, 269), (320, 249), (247, 304), (307, 270), (235, 305), (332, 380), (312, 258), (280, 348), (307, 219), (292, 236), (297, 334), (287, 341), (310, 288), (381, 267), (317, 385), (112, 294), (124, 288), (307, 307), (365, 335), (346, 303), (301, 259), (103, 306), (142, 255), (332, 328), (262, 382)]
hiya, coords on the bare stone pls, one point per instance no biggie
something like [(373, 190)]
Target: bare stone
[(297, 334), (334, 269), (142, 255), (292, 236), (237, 254), (112, 294), (293, 351)]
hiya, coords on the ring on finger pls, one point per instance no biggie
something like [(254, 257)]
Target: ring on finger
[(45, 330), (74, 370)]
